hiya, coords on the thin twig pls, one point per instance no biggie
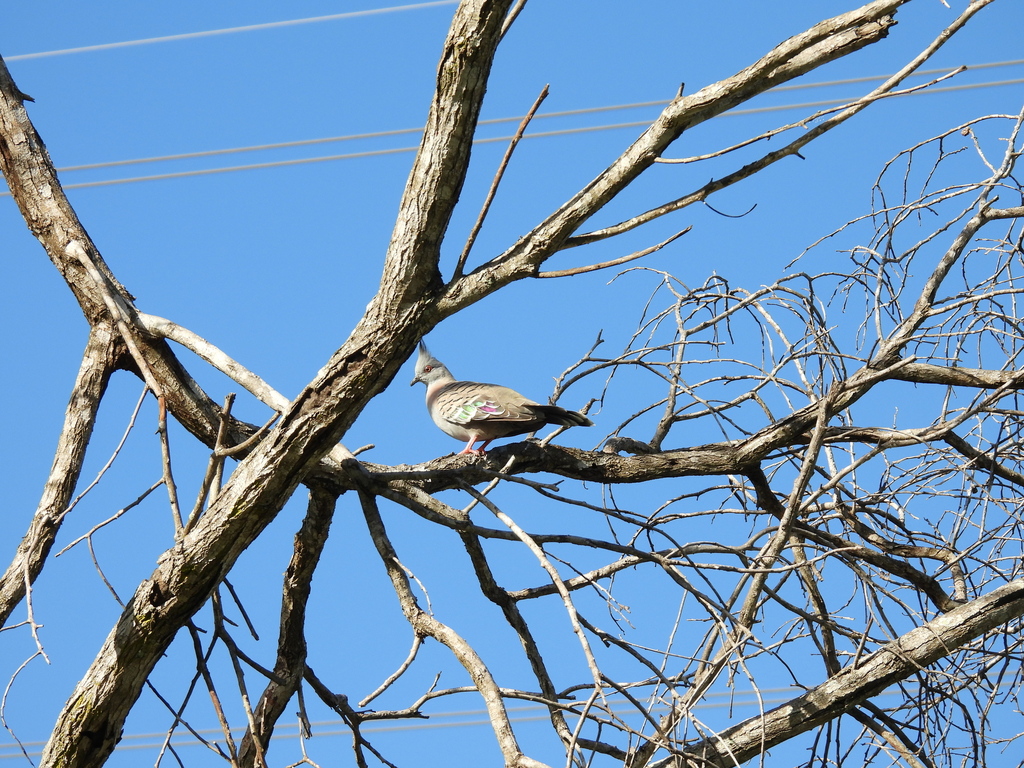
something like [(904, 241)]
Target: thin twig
[(255, 437), (229, 643), (116, 452), (202, 660), (241, 609), (613, 262), (124, 316), (213, 464), (165, 456), (556, 578), (3, 703), (417, 641), (460, 265), (804, 122), (112, 518), (178, 719), (511, 16)]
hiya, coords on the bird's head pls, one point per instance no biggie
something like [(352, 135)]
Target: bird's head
[(429, 369)]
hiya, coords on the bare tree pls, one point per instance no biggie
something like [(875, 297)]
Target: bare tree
[(916, 529)]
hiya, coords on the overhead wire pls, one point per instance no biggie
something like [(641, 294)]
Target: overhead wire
[(516, 119), (327, 728), (228, 30), (407, 131), (406, 149)]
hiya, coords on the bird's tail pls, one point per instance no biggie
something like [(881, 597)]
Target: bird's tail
[(554, 415)]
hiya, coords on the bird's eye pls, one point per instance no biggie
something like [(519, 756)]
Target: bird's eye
[(428, 368)]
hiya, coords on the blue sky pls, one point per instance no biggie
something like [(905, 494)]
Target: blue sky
[(275, 265)]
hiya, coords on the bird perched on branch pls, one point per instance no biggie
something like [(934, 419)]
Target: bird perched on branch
[(471, 411)]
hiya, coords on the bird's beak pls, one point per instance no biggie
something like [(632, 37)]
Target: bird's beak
[(422, 357)]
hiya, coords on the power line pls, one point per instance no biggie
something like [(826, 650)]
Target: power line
[(327, 728), (400, 150), (380, 134), (349, 137), (493, 121), (230, 30), (337, 17)]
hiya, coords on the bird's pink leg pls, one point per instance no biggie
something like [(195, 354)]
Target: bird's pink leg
[(475, 451)]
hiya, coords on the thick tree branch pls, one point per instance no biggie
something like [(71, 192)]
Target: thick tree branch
[(983, 460), (439, 171), (501, 598), (793, 148), (98, 361), (955, 376), (427, 625), (857, 682), (33, 181), (825, 42), (92, 719), (291, 642)]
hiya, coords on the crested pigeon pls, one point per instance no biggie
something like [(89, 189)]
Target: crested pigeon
[(471, 411)]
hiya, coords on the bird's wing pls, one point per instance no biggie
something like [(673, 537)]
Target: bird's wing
[(472, 404)]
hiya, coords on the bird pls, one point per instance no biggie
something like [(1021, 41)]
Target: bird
[(473, 411)]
